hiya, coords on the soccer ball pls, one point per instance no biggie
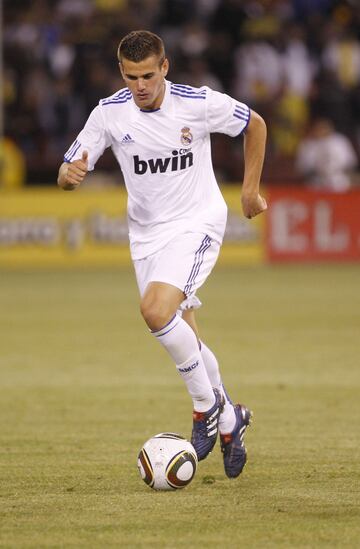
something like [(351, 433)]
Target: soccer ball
[(167, 462)]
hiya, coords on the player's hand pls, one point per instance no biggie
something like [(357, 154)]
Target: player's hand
[(253, 204), (74, 173)]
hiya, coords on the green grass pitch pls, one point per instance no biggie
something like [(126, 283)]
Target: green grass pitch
[(83, 385)]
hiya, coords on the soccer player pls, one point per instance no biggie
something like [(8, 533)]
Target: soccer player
[(160, 134)]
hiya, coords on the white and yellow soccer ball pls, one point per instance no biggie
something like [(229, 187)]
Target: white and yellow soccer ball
[(167, 461)]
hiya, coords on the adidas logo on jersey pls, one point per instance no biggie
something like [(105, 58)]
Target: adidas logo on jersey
[(127, 139), (180, 160)]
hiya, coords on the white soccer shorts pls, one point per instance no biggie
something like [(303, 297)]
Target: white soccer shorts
[(185, 262)]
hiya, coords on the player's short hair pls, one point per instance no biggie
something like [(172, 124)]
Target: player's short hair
[(139, 45)]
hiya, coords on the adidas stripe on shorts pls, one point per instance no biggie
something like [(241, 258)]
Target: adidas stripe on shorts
[(185, 262)]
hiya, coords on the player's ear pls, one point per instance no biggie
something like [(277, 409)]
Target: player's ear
[(165, 67), (121, 69)]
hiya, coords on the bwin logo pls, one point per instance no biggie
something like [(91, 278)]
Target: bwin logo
[(161, 165)]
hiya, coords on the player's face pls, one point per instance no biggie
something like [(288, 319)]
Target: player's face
[(145, 80)]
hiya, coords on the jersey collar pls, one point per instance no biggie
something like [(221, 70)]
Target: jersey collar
[(165, 101)]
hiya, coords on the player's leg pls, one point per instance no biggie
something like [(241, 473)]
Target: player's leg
[(234, 419), (159, 305), (165, 279), (227, 418)]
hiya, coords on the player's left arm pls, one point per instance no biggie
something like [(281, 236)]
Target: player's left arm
[(254, 152)]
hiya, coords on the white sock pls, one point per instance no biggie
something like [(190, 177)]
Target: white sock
[(181, 343), (227, 417)]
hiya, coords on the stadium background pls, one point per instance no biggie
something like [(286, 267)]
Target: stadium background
[(293, 61)]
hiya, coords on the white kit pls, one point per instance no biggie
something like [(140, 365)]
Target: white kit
[(165, 157)]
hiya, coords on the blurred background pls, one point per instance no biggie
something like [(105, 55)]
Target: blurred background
[(296, 62)]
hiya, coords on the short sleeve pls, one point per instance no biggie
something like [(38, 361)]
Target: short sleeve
[(92, 138), (225, 114)]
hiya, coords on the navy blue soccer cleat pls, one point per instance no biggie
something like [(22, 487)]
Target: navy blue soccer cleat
[(206, 427), (232, 444)]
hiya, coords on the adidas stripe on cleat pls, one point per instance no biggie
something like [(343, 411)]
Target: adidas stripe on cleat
[(206, 427), (232, 444)]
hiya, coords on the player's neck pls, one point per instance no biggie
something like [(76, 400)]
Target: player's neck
[(158, 101)]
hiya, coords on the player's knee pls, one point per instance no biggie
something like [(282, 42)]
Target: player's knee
[(155, 313)]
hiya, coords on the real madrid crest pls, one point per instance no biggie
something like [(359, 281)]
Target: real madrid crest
[(186, 136)]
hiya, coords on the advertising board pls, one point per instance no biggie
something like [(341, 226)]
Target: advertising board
[(88, 227), (306, 225)]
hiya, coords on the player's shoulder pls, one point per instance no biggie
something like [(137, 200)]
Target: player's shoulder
[(121, 97), (197, 97), (190, 101), (189, 93)]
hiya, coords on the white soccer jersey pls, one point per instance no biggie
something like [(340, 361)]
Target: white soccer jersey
[(165, 157)]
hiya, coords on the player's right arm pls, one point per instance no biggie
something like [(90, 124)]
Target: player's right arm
[(84, 152), (71, 174)]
